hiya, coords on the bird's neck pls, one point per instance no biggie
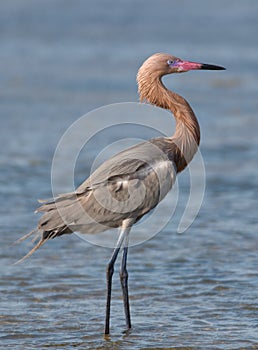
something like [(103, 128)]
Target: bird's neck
[(187, 133)]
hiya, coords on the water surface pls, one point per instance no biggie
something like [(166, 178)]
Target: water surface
[(196, 290)]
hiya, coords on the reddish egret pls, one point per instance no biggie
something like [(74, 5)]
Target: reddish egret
[(131, 183)]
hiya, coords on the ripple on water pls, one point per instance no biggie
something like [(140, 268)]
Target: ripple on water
[(195, 291)]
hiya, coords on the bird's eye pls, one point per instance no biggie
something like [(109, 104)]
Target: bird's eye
[(170, 62)]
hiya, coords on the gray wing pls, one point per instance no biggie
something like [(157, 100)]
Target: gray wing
[(128, 184)]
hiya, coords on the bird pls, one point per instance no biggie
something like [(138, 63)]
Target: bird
[(131, 183)]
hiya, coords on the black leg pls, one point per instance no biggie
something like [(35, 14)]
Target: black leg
[(124, 284), (110, 269), (109, 274)]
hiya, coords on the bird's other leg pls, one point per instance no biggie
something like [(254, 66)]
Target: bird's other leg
[(110, 271), (124, 282)]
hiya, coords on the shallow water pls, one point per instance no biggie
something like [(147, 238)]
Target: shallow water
[(196, 290)]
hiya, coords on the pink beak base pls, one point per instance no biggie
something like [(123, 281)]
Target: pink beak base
[(187, 65)]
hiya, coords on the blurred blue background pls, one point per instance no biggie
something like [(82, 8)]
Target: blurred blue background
[(60, 59)]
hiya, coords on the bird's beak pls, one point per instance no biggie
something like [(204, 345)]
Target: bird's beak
[(185, 66)]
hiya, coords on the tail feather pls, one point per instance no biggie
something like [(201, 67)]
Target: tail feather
[(44, 237), (35, 230), (36, 247), (57, 213)]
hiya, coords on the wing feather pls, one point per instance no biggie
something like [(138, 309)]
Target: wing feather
[(130, 183)]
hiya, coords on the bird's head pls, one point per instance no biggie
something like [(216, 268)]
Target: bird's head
[(163, 64), (157, 65)]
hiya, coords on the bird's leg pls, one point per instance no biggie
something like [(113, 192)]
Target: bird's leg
[(124, 282), (110, 270), (109, 274)]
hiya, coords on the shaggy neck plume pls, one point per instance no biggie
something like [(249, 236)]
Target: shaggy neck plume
[(187, 133)]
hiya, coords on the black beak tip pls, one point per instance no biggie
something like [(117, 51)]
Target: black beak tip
[(211, 67)]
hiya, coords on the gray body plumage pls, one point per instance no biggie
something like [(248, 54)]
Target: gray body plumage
[(128, 185)]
